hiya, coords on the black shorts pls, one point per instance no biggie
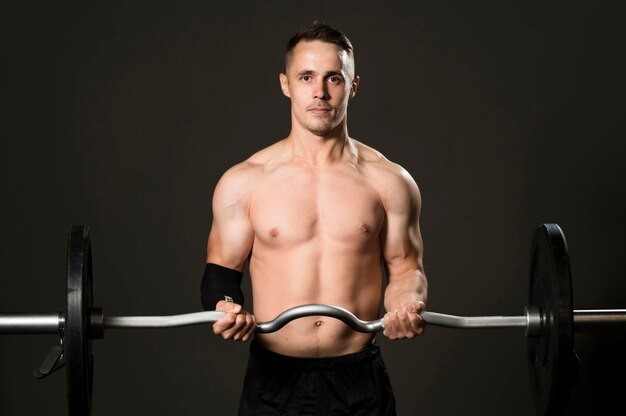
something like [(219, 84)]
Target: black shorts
[(351, 385)]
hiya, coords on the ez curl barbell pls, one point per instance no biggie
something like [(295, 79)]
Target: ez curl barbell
[(549, 321)]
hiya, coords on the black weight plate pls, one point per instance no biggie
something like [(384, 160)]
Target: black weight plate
[(77, 344), (550, 354)]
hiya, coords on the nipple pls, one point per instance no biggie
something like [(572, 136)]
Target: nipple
[(274, 232)]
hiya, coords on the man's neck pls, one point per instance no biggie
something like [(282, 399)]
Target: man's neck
[(317, 150)]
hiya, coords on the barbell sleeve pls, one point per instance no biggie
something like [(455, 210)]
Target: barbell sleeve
[(593, 320), (31, 323)]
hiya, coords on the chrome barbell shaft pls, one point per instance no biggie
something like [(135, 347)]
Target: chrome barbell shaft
[(118, 322), (431, 318), (322, 310), (468, 322), (169, 321)]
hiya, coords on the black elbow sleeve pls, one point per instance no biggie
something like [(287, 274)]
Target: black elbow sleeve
[(220, 283)]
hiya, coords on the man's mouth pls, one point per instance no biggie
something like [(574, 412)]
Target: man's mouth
[(319, 110)]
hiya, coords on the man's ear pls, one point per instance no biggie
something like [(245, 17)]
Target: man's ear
[(284, 84), (355, 86)]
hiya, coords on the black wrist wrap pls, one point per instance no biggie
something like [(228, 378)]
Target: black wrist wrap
[(220, 283)]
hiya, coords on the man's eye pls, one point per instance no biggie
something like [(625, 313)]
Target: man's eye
[(335, 79), (305, 78)]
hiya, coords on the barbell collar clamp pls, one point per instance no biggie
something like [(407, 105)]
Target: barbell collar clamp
[(96, 323), (534, 321)]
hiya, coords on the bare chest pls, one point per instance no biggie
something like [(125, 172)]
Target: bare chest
[(288, 210)]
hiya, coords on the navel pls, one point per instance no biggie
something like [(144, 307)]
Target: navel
[(318, 324)]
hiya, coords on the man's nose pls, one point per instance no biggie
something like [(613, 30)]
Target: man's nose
[(320, 91)]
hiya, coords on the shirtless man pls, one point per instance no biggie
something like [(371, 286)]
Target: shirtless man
[(317, 214)]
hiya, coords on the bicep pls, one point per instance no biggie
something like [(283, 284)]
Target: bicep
[(231, 235), (401, 238)]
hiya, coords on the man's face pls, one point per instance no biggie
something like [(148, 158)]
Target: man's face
[(319, 80)]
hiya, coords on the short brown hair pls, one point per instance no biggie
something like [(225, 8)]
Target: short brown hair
[(322, 32)]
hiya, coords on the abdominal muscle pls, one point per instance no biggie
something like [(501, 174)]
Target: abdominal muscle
[(316, 272)]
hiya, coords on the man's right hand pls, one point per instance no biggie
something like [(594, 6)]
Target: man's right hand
[(238, 324)]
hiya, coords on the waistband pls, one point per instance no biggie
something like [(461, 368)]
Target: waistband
[(267, 357)]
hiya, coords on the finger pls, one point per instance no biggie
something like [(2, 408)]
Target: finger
[(406, 330), (386, 325), (242, 326), (247, 330), (391, 325), (417, 323), (414, 306), (250, 327), (224, 306), (224, 324), (233, 331)]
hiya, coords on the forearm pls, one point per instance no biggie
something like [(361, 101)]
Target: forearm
[(410, 286)]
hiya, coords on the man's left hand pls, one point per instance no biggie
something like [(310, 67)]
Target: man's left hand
[(405, 321)]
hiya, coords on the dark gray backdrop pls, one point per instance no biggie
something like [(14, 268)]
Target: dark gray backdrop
[(123, 117)]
